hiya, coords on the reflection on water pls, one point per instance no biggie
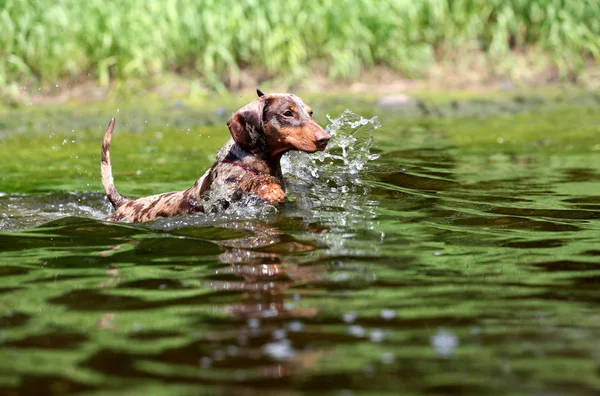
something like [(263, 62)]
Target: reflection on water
[(414, 270)]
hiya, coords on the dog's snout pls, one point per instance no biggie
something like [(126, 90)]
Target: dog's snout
[(321, 135), (322, 138)]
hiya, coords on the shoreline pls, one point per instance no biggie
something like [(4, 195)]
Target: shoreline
[(380, 81)]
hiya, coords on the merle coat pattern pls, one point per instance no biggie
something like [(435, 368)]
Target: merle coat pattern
[(249, 163)]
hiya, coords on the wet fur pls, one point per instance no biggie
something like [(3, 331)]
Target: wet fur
[(249, 163)]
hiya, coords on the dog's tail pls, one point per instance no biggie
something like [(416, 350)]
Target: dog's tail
[(108, 182)]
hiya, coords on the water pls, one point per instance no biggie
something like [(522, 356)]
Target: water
[(404, 264)]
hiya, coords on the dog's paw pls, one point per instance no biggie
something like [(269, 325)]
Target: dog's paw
[(271, 193)]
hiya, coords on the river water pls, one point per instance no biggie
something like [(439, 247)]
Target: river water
[(401, 264)]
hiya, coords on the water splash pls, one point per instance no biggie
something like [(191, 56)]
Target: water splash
[(348, 152), (18, 211), (328, 176), (327, 186), (219, 205)]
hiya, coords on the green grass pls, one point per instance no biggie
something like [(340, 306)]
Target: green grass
[(106, 39)]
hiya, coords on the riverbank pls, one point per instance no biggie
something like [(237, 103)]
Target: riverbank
[(349, 45), (380, 82)]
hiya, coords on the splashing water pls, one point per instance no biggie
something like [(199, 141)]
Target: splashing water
[(327, 188), (327, 175), (328, 181), (348, 152), (218, 205)]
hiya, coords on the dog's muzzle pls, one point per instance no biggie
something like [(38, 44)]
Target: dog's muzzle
[(322, 138)]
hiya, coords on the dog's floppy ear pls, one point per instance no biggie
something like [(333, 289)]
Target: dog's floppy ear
[(259, 92), (246, 127)]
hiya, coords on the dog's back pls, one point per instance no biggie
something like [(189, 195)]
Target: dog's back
[(147, 208)]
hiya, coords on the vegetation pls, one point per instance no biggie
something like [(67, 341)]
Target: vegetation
[(216, 39)]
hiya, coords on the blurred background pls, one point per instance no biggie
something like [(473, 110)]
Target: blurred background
[(231, 45)]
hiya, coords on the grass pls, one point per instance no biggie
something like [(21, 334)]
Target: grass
[(46, 42)]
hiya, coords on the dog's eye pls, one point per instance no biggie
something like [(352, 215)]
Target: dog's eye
[(288, 113)]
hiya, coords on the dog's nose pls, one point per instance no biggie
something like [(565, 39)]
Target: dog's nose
[(322, 138), (322, 144)]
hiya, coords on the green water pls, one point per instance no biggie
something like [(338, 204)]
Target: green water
[(460, 254)]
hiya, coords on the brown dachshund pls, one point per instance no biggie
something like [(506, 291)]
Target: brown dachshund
[(249, 164)]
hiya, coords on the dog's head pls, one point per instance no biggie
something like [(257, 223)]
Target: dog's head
[(277, 123)]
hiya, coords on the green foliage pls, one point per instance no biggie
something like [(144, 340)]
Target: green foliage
[(105, 39)]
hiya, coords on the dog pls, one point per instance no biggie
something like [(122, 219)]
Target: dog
[(247, 165)]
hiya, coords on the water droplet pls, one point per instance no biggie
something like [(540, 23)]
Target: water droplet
[(279, 334), (296, 326), (356, 331), (232, 350), (280, 350), (349, 317), (387, 358), (205, 362), (444, 343), (268, 313), (376, 335), (388, 314)]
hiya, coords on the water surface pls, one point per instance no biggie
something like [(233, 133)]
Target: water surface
[(414, 263)]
